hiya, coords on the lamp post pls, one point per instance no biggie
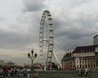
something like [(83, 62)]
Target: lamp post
[(32, 56)]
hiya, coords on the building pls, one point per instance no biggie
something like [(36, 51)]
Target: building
[(85, 56), (10, 63), (68, 61), (2, 63), (82, 57), (95, 40)]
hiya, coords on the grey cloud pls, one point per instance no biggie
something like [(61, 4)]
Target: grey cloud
[(15, 41), (83, 26), (4, 55), (69, 31), (73, 4), (1, 18), (33, 5), (76, 32), (23, 59), (73, 34), (7, 58), (65, 43)]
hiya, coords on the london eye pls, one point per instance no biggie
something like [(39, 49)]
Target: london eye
[(46, 37)]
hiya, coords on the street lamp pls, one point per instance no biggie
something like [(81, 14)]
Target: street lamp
[(32, 56)]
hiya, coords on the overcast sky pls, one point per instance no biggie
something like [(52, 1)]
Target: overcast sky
[(75, 23)]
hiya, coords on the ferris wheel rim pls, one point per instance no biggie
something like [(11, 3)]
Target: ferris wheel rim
[(46, 15)]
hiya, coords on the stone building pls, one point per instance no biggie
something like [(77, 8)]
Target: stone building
[(2, 63), (82, 57), (95, 40), (85, 56), (68, 61)]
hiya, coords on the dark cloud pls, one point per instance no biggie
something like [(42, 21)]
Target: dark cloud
[(77, 3), (15, 41), (73, 24), (1, 19), (7, 58), (22, 59), (77, 32), (33, 5)]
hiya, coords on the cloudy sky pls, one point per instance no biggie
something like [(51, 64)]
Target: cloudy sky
[(75, 24)]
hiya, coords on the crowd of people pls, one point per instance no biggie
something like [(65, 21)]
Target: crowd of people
[(13, 71), (25, 71)]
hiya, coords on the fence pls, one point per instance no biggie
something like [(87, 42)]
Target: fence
[(65, 74)]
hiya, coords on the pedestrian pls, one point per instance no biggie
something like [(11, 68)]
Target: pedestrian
[(9, 72), (1, 71), (24, 72), (12, 71), (6, 70), (86, 71), (79, 71), (28, 72)]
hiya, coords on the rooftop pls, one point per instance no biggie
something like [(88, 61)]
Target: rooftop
[(82, 49)]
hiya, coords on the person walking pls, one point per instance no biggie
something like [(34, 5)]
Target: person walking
[(28, 72), (6, 70), (86, 71)]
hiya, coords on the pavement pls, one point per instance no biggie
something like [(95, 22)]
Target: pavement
[(48, 77), (52, 77), (12, 77)]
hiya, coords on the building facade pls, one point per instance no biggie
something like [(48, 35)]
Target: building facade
[(95, 40), (2, 63), (83, 57), (68, 61)]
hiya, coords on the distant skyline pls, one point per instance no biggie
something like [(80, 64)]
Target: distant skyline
[(75, 23)]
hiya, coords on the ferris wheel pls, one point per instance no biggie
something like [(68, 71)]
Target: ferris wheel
[(46, 35)]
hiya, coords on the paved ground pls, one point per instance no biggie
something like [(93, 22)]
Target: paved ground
[(49, 77), (39, 77), (13, 77)]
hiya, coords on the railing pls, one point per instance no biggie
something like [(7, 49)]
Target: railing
[(65, 74)]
